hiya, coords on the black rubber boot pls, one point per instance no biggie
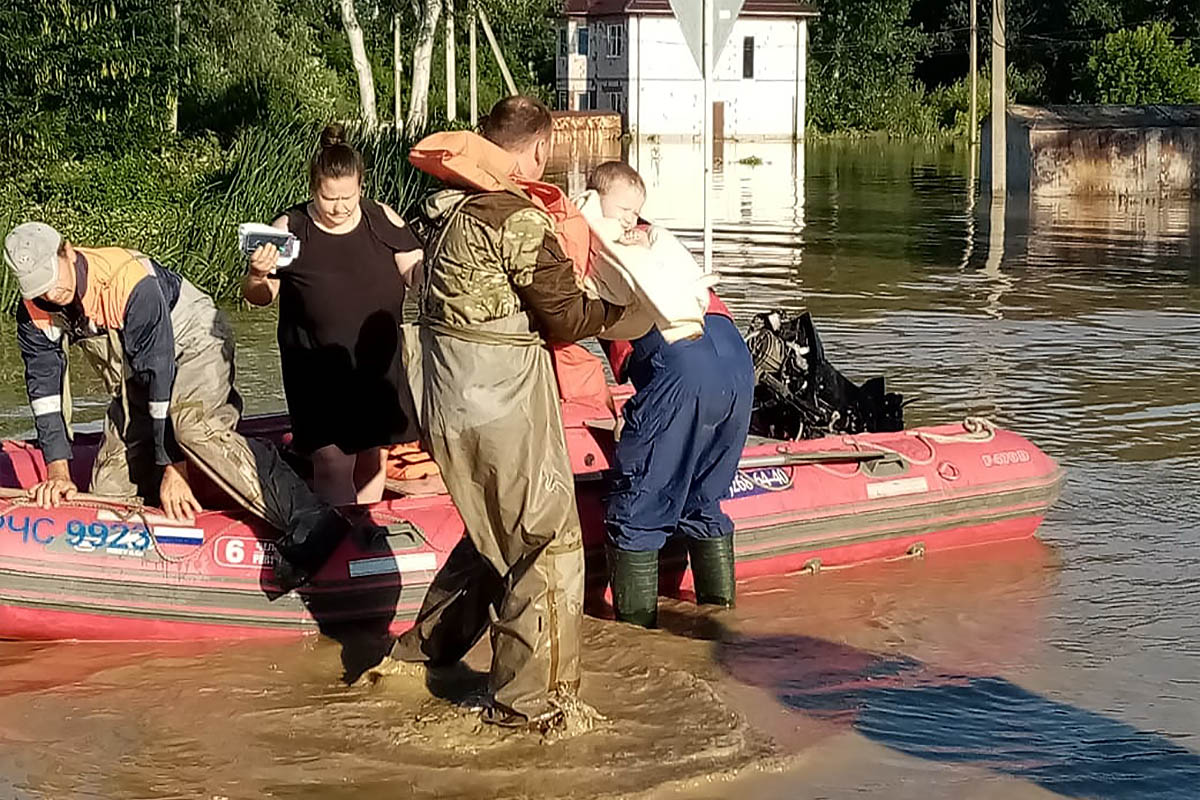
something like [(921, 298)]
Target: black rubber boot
[(304, 549), (634, 577), (712, 570)]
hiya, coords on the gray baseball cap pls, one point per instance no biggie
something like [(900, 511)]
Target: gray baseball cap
[(31, 252)]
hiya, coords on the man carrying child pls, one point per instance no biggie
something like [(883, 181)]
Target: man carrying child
[(497, 287)]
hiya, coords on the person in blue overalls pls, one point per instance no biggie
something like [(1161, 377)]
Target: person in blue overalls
[(685, 429)]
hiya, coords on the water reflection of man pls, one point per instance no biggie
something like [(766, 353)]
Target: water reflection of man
[(165, 354)]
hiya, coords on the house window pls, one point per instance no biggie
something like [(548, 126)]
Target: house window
[(581, 45), (583, 102), (748, 57), (614, 101), (616, 41), (562, 41), (563, 100)]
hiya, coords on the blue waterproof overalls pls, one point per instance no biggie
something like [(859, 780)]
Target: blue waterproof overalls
[(685, 429)]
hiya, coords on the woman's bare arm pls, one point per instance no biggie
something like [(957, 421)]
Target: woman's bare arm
[(408, 262)]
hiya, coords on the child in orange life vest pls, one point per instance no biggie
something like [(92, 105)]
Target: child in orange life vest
[(685, 428)]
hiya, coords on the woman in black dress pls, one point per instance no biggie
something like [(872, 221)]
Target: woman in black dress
[(340, 307)]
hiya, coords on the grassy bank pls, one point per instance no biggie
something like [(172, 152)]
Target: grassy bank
[(182, 205)]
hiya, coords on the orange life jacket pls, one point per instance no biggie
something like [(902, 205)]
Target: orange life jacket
[(466, 160), (406, 461)]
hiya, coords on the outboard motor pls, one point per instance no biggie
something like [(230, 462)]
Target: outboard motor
[(799, 395)]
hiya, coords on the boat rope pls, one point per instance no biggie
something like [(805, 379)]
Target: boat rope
[(906, 457), (813, 566), (975, 429), (139, 511)]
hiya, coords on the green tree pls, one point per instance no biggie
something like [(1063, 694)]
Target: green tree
[(528, 32), (862, 56), (1049, 41), (79, 76), (1141, 66), (250, 62)]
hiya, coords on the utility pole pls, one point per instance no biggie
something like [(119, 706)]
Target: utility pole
[(451, 65), (474, 73), (999, 103), (973, 135)]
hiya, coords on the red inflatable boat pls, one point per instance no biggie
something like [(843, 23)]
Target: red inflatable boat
[(96, 570)]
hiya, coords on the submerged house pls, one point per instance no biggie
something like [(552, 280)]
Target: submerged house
[(630, 57)]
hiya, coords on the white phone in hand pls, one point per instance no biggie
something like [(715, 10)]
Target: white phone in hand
[(252, 235)]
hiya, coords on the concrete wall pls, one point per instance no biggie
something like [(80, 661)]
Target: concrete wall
[(1115, 162), (1046, 161), (1020, 161), (594, 124)]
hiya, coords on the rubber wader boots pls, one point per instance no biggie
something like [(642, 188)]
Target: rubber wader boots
[(712, 570), (634, 578)]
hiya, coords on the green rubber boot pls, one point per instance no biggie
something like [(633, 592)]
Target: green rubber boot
[(634, 577), (712, 570)]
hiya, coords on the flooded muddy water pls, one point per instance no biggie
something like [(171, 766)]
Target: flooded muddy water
[(1065, 666)]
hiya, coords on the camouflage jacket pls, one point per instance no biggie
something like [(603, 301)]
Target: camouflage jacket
[(490, 255)]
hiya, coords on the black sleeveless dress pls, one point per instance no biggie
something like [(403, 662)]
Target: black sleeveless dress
[(340, 306)]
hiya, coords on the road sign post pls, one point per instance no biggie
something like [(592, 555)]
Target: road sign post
[(707, 133), (706, 27)]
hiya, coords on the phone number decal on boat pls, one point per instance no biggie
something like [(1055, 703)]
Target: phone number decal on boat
[(750, 482), (118, 539), (83, 536)]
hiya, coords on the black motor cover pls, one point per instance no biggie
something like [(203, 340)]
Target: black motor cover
[(800, 395)]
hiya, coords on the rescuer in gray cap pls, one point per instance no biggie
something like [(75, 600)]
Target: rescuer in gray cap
[(165, 355)]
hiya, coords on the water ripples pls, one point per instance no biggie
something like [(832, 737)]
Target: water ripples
[(1065, 664)]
